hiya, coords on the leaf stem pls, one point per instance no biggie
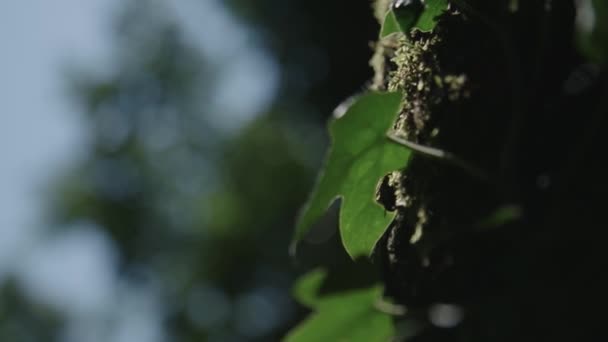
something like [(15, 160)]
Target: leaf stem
[(441, 155)]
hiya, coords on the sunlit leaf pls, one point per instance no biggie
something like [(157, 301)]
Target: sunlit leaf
[(428, 19), (413, 16), (399, 20), (359, 157), (341, 316)]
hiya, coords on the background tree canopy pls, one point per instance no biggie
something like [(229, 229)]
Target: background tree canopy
[(193, 173)]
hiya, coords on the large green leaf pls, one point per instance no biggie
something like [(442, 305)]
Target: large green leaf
[(359, 157), (406, 18), (340, 316)]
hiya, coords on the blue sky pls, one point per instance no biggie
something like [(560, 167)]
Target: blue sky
[(40, 132)]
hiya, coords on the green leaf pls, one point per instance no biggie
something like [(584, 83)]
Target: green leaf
[(359, 157), (307, 288), (342, 316), (399, 21), (428, 19), (404, 19)]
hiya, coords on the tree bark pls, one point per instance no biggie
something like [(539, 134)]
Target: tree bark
[(509, 229)]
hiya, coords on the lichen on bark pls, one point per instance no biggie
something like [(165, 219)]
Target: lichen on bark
[(415, 70)]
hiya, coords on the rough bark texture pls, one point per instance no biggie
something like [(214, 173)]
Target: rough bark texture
[(494, 87)]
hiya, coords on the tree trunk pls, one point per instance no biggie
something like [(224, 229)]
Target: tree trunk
[(508, 226)]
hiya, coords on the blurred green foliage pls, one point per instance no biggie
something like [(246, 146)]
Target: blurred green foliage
[(593, 30), (205, 213), (195, 207)]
